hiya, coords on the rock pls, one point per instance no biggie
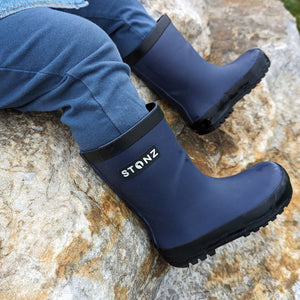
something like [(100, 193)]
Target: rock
[(65, 235)]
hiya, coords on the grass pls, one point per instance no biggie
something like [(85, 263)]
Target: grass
[(294, 7)]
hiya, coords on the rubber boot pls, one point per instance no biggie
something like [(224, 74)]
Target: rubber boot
[(188, 214), (203, 93)]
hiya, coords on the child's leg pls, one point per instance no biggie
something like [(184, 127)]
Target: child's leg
[(126, 21), (203, 93), (57, 60)]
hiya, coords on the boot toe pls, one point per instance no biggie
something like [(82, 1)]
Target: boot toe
[(250, 200), (248, 58), (273, 185), (235, 80), (255, 191)]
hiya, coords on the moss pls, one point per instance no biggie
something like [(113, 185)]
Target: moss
[(294, 7)]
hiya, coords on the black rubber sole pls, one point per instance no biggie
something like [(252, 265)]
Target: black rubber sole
[(213, 118), (252, 221)]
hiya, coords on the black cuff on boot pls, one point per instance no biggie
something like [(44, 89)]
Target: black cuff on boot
[(128, 138), (162, 23)]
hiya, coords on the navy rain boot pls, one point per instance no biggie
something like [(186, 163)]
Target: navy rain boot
[(188, 214), (203, 93)]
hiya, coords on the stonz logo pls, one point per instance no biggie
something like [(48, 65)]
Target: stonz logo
[(140, 164)]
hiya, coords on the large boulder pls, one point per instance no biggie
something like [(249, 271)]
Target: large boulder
[(65, 235)]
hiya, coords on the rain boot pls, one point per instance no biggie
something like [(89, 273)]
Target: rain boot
[(203, 93), (187, 213)]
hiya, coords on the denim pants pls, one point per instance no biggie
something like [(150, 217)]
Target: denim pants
[(72, 60)]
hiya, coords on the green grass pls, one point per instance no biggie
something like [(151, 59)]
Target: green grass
[(294, 7)]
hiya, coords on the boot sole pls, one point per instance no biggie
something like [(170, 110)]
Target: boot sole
[(213, 118), (191, 253)]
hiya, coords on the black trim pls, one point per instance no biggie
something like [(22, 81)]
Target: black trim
[(182, 256), (162, 23), (128, 138)]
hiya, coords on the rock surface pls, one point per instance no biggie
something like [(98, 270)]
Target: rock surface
[(65, 235)]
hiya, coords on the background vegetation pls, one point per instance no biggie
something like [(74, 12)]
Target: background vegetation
[(294, 7)]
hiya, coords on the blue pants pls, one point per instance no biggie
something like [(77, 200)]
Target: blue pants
[(69, 60)]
